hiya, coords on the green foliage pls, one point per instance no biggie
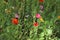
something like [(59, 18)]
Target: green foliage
[(49, 30)]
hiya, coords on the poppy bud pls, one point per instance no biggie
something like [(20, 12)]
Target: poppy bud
[(41, 19)]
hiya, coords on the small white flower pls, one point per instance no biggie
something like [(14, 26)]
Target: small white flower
[(13, 7), (27, 16), (41, 7), (5, 9), (16, 16)]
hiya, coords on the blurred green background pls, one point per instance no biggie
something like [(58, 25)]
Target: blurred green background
[(47, 30)]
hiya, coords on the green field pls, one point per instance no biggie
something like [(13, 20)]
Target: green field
[(23, 27)]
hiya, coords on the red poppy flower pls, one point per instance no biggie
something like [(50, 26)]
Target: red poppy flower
[(41, 0), (15, 21), (35, 24)]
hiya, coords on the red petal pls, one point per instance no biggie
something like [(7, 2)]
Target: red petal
[(15, 21), (41, 0), (35, 24)]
